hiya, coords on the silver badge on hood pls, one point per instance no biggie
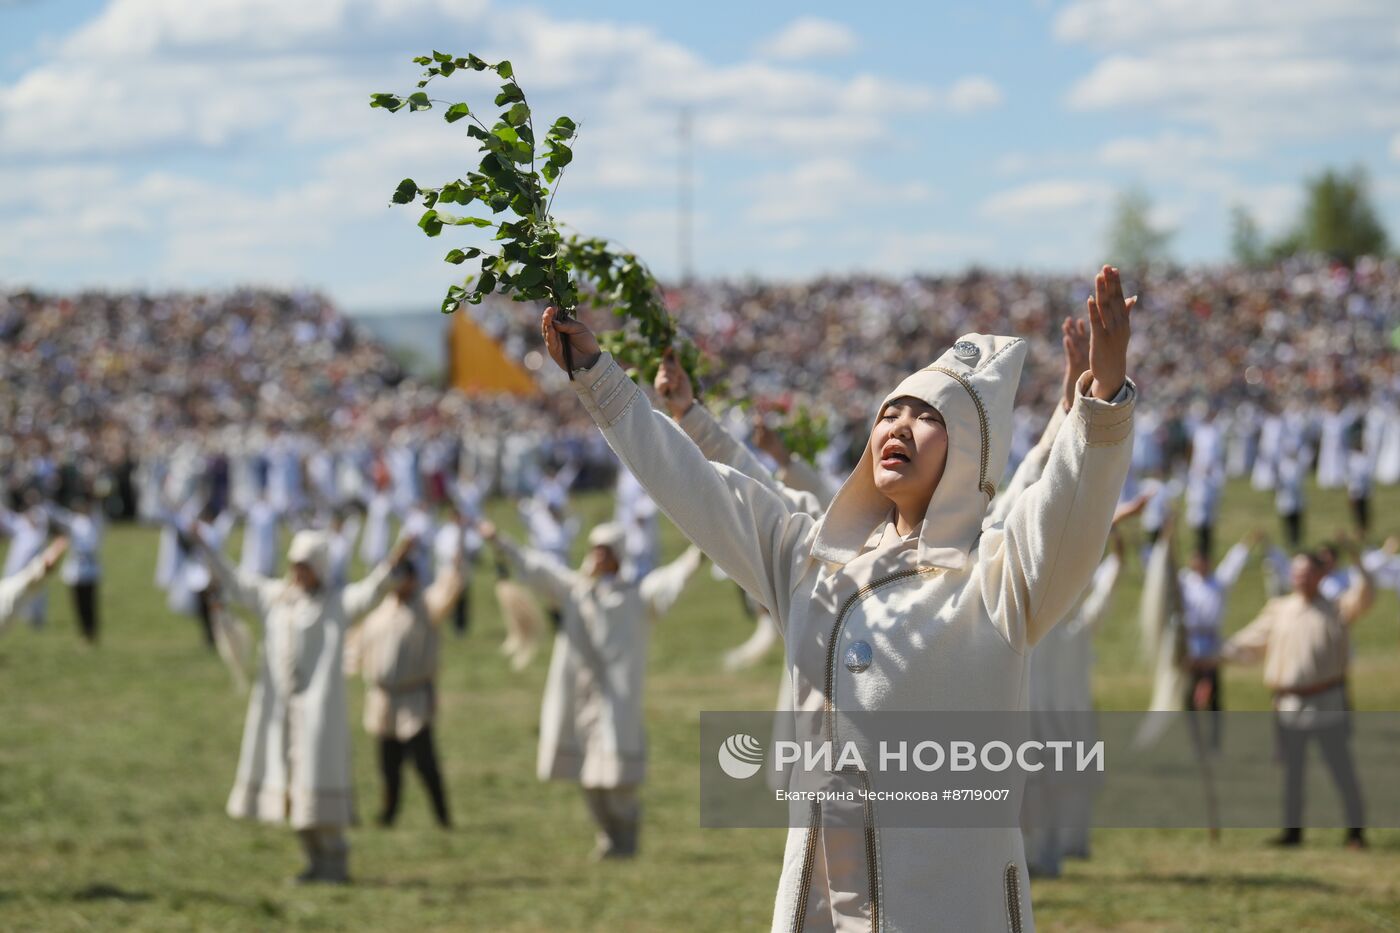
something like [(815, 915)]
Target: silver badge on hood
[(966, 351)]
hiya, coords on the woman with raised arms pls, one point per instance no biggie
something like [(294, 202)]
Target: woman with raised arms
[(897, 597)]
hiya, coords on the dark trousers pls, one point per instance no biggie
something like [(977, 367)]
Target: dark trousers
[(85, 605), (391, 755), (462, 614), (1205, 539), (1336, 754), (1361, 513), (205, 602), (1293, 529), (1204, 720)]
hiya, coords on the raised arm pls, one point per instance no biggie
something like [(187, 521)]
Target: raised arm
[(441, 595), (1247, 646), (1074, 340), (1232, 564), (717, 444), (16, 588), (539, 571), (1054, 533), (744, 527), (255, 593), (662, 587), (1360, 595), (361, 596)]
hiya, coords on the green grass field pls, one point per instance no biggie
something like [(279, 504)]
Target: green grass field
[(115, 763)]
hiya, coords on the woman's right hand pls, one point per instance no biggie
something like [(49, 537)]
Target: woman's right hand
[(674, 386), (555, 330)]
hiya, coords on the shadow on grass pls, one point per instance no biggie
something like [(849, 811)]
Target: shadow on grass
[(99, 891), (1226, 882)]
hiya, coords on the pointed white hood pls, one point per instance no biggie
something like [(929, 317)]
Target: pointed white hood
[(973, 385)]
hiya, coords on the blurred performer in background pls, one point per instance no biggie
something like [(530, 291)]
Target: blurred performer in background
[(27, 530), (19, 587), (83, 569), (1304, 642), (395, 649), (294, 765), (592, 727)]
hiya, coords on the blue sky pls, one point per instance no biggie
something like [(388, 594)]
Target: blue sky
[(167, 143)]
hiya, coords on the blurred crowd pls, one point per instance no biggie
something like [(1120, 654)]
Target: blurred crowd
[(115, 393)]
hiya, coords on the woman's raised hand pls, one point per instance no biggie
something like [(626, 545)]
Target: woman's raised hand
[(1075, 338), (674, 386), (555, 330), (1109, 330)]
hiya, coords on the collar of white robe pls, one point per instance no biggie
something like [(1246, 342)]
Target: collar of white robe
[(973, 386)]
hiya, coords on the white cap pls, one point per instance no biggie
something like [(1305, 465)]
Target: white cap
[(973, 386)]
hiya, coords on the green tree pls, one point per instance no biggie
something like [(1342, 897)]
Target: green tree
[(1133, 241), (1338, 218)]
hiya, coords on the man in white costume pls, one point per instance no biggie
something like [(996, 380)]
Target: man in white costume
[(592, 723), (294, 764), (82, 571), (924, 587)]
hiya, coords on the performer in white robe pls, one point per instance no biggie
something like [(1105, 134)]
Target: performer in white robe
[(261, 526), (592, 727), (1290, 472), (294, 765), (949, 609), (82, 571), (1332, 447), (18, 588), (28, 530), (379, 511), (1205, 478), (1204, 594)]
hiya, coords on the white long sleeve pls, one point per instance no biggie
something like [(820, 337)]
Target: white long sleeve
[(746, 528)]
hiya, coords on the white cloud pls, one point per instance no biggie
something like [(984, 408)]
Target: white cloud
[(1252, 70), (823, 189), (1037, 200), (810, 37), (1395, 147), (974, 93)]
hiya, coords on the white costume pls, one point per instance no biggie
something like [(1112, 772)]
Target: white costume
[(592, 724), (966, 603)]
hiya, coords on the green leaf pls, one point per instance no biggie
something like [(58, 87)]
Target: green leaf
[(505, 70), (456, 112), (441, 56), (564, 128), (510, 92), (464, 221), (517, 114), (549, 172), (430, 223), (459, 256), (486, 283), (448, 68), (419, 101), (421, 60), (405, 192), (528, 277), (560, 155), (476, 64), (390, 102)]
